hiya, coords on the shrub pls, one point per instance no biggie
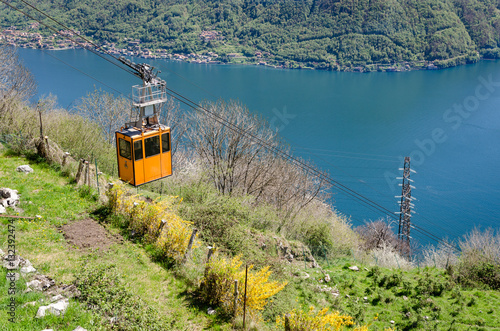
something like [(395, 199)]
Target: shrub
[(103, 292), (155, 222), (321, 320), (480, 259), (217, 286)]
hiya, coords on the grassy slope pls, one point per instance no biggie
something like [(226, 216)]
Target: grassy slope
[(40, 241)]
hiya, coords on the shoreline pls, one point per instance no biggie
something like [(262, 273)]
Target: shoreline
[(147, 54)]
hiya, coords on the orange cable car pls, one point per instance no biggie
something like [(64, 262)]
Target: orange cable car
[(144, 146)]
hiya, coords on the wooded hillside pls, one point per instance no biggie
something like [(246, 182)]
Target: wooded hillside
[(326, 33)]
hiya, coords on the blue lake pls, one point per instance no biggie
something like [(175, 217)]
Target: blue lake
[(358, 127)]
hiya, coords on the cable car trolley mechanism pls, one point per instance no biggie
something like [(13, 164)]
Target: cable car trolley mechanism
[(143, 145)]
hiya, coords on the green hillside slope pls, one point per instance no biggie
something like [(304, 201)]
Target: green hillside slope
[(320, 33)]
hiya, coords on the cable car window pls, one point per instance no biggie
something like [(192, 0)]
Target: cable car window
[(138, 150), (165, 142), (125, 150), (152, 146)]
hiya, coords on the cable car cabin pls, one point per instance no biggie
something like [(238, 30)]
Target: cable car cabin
[(143, 156), (143, 145)]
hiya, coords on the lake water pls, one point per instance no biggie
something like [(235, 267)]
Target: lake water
[(358, 127)]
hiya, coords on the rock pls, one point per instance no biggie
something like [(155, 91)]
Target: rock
[(8, 197), (27, 270), (210, 311), (347, 296), (12, 276), (327, 278), (405, 297), (55, 309), (79, 328), (365, 298), (67, 291), (59, 307), (56, 298), (354, 268), (47, 330), (1, 253), (12, 262), (40, 283), (392, 322), (2, 209), (24, 168), (314, 264), (304, 275), (41, 311)]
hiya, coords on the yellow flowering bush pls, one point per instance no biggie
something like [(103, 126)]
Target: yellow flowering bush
[(217, 287), (156, 221), (318, 321)]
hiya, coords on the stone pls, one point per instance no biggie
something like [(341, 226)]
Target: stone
[(327, 278), (8, 197), (354, 268), (2, 209), (55, 309), (1, 253), (41, 311), (48, 330), (210, 311), (59, 307), (314, 264), (27, 270), (12, 263), (56, 298), (40, 283), (304, 275), (79, 328), (24, 168), (392, 322), (365, 298)]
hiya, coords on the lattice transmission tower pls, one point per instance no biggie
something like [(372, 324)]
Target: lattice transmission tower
[(405, 210)]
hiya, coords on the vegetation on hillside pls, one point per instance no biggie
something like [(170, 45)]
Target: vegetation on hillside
[(329, 34)]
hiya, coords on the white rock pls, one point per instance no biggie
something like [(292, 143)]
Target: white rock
[(35, 285), (354, 268), (41, 311), (27, 270), (24, 168), (327, 278), (79, 328), (304, 275), (57, 298), (1, 253), (8, 197), (392, 322), (59, 307), (48, 330), (11, 264), (2, 209), (210, 311)]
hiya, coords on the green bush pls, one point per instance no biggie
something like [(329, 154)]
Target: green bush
[(104, 293)]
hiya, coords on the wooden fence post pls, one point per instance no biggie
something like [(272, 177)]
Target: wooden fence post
[(287, 322), (210, 252), (235, 304), (79, 172), (191, 240)]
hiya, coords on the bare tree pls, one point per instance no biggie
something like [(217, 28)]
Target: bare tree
[(16, 81), (241, 157), (379, 234), (107, 110), (172, 116)]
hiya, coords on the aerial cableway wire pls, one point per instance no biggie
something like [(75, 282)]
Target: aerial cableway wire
[(192, 104)]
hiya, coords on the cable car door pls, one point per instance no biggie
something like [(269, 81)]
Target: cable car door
[(152, 160), (125, 164)]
